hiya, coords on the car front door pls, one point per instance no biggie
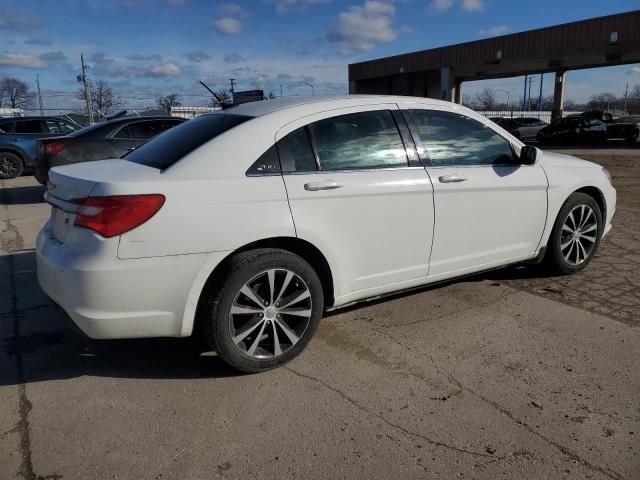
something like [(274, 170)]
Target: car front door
[(356, 194), (489, 209)]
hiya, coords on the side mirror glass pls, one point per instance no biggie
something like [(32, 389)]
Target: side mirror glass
[(528, 155)]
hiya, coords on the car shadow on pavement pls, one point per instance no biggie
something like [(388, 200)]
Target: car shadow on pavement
[(22, 195), (36, 343)]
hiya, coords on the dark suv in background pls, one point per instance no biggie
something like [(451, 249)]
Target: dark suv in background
[(18, 141), (110, 139)]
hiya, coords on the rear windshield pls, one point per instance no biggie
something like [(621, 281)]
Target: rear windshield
[(169, 147)]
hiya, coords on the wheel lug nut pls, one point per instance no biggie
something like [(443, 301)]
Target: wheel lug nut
[(261, 315)]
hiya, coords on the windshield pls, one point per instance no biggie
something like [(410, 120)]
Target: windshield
[(169, 147)]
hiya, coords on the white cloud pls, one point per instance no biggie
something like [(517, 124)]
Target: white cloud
[(362, 27), (21, 60), (635, 70), (472, 5), (283, 6), (164, 70), (17, 21), (494, 31), (441, 5), (228, 26)]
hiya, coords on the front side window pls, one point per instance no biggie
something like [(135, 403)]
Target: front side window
[(447, 138), (359, 141)]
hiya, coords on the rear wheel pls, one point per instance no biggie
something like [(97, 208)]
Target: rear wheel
[(10, 165), (264, 309), (576, 234)]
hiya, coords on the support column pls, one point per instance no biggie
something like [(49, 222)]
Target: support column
[(558, 95), (457, 92), (446, 84)]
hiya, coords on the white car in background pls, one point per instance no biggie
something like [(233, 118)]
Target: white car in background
[(249, 223)]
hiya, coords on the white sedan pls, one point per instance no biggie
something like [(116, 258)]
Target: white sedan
[(248, 224)]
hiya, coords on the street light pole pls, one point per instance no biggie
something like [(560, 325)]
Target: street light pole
[(508, 95), (313, 90)]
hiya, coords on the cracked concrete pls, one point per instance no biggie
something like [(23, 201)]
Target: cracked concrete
[(503, 375)]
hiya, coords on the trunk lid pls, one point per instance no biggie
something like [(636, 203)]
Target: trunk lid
[(79, 181)]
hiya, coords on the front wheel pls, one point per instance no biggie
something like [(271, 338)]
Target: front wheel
[(264, 311), (576, 234), (10, 166)]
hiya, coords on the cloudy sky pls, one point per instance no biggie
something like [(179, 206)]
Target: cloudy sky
[(146, 48)]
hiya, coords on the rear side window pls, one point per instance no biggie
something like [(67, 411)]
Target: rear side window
[(166, 149), (296, 152), (359, 141), (7, 127), (28, 126)]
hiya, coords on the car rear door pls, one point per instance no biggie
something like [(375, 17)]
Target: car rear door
[(356, 194), (489, 209)]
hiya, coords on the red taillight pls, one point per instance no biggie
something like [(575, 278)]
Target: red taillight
[(54, 148), (117, 214)]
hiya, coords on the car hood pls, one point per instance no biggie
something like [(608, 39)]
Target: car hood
[(553, 159)]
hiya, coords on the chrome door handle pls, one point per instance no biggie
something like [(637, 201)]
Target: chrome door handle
[(324, 185), (454, 178)]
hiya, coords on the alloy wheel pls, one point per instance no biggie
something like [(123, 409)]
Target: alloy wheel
[(270, 313), (579, 234), (8, 167)]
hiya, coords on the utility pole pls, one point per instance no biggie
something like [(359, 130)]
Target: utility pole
[(87, 93), (626, 94), (313, 90), (232, 81), (524, 95), (39, 95), (281, 91)]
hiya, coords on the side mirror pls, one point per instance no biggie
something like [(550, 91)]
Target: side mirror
[(528, 155)]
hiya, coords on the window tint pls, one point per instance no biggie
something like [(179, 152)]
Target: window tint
[(269, 162), (453, 139), (146, 130), (28, 126), (359, 140), (165, 150), (59, 127), (123, 132)]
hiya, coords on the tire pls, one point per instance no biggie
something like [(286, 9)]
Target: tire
[(564, 255), (11, 165), (272, 328)]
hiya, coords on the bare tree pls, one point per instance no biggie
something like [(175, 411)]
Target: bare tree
[(633, 100), (601, 101), (221, 98), (15, 93), (486, 99), (103, 100), (168, 102)]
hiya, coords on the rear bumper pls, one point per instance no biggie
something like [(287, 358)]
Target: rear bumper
[(108, 298)]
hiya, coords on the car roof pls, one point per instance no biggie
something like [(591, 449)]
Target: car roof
[(264, 107), (32, 117)]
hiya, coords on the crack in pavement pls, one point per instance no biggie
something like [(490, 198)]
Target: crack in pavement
[(502, 410), (22, 428), (569, 453), (394, 426)]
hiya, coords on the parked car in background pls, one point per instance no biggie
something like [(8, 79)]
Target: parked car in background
[(574, 129), (110, 139), (524, 128), (18, 140), (248, 224), (627, 128)]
